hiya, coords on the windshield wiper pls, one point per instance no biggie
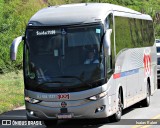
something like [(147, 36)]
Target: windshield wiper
[(62, 82), (53, 82), (75, 78)]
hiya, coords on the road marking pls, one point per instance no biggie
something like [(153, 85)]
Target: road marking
[(146, 126), (136, 126), (156, 117)]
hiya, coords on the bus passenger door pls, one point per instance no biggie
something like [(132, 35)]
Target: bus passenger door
[(110, 57), (109, 61)]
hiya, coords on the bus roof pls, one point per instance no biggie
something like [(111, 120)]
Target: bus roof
[(77, 14)]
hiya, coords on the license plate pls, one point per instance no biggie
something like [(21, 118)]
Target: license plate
[(64, 116)]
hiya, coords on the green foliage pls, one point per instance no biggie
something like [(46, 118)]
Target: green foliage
[(11, 91), (157, 33), (14, 15)]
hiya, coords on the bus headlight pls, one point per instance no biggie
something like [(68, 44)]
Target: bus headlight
[(99, 96), (32, 100)]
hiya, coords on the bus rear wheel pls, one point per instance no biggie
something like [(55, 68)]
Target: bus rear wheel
[(146, 101), (117, 116)]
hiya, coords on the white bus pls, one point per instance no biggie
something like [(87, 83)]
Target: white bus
[(89, 60)]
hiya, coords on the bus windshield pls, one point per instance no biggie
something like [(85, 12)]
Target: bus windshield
[(59, 57)]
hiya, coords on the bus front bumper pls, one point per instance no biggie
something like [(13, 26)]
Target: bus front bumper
[(92, 109)]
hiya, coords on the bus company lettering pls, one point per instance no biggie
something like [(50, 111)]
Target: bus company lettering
[(63, 96), (49, 32), (45, 96), (147, 63)]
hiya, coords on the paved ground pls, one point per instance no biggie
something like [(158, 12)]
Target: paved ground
[(132, 115)]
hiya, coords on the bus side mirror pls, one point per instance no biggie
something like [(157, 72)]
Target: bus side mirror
[(14, 47), (107, 42)]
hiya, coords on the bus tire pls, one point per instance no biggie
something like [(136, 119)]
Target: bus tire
[(117, 116), (146, 101), (30, 118), (50, 123)]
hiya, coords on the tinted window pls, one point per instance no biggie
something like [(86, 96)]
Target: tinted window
[(157, 41), (158, 49), (123, 32), (132, 33), (58, 56), (158, 61)]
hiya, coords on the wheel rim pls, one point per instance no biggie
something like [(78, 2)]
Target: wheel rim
[(119, 112), (148, 95)]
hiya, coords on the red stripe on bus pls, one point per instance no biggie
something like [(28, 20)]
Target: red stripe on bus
[(115, 76)]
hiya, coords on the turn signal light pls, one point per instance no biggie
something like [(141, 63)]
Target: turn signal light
[(99, 96), (32, 100)]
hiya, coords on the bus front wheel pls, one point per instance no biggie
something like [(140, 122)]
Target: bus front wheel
[(117, 116), (146, 101)]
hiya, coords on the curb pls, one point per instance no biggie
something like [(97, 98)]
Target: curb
[(20, 108)]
